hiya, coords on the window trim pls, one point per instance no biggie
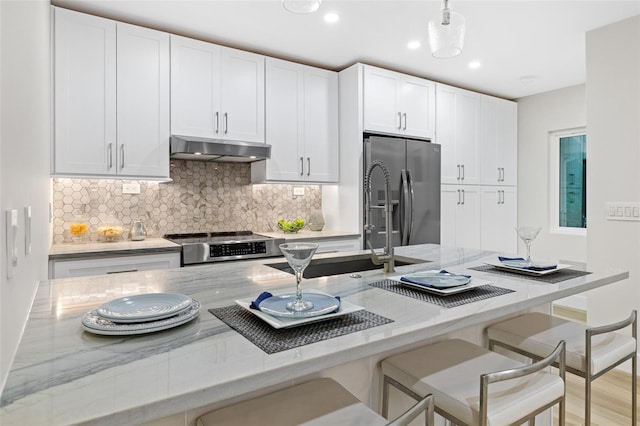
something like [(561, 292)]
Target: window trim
[(554, 182)]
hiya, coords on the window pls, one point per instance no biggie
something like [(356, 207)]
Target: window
[(569, 192)]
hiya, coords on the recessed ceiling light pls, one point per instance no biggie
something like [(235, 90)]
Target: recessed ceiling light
[(331, 18), (414, 44), (474, 65)]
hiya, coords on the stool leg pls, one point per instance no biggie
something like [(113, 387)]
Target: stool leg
[(385, 397)]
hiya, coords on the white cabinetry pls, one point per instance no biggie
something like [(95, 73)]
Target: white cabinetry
[(457, 130), (400, 104), (498, 141), (499, 218), (112, 265), (111, 83), (301, 124), (460, 216), (216, 92)]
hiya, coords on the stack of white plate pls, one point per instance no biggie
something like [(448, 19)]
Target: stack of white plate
[(141, 314)]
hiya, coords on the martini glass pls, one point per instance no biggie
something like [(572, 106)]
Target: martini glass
[(298, 255), (528, 234)]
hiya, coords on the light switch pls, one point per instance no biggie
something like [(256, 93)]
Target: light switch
[(619, 211), (27, 230), (298, 190), (11, 219), (636, 212), (627, 211), (612, 211)]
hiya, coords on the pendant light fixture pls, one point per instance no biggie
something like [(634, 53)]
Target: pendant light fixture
[(446, 33), (301, 6)]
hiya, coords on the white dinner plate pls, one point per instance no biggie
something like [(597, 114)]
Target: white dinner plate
[(512, 268), (473, 283), (277, 305), (280, 322), (436, 279), (94, 323), (144, 307)]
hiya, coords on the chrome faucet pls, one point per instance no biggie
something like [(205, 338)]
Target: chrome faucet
[(387, 256)]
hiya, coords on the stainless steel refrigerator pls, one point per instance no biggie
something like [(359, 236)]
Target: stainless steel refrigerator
[(414, 167)]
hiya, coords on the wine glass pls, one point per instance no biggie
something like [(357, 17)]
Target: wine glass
[(299, 256), (528, 234)]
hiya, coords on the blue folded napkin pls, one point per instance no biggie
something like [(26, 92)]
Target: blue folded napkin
[(260, 298), (531, 268), (265, 295), (436, 286)]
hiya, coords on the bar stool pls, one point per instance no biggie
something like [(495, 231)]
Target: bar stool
[(458, 374), (599, 348), (314, 403)]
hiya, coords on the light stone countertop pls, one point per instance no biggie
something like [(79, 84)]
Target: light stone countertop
[(112, 248), (307, 234), (63, 375)]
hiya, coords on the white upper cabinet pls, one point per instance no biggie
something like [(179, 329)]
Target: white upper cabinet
[(458, 128), (111, 83), (301, 124), (142, 102), (498, 141), (85, 94), (398, 104), (216, 92)]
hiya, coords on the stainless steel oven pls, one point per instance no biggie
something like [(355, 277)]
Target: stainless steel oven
[(206, 247)]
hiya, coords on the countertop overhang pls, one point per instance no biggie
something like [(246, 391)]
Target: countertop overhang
[(63, 375)]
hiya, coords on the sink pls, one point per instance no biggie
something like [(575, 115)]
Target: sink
[(324, 267)]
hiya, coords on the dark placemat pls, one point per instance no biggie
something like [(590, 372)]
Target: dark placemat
[(556, 277), (272, 340), (449, 301)]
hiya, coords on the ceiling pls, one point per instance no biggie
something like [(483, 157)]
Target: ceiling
[(524, 47)]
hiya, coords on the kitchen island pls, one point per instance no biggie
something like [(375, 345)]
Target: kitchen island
[(64, 375)]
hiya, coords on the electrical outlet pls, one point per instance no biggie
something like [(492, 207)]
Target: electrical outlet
[(298, 190), (623, 211), (131, 188)]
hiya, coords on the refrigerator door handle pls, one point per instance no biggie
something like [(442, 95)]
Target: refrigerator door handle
[(407, 214)]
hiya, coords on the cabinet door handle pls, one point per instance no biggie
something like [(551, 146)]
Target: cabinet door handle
[(458, 171), (399, 120), (462, 178), (226, 123), (121, 157), (122, 272), (217, 122), (462, 190), (308, 166), (405, 121), (110, 153), (301, 166), (499, 174), (458, 196)]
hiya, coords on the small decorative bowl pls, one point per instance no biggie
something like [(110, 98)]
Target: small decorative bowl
[(291, 227)]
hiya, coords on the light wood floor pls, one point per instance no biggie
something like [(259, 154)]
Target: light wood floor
[(610, 400)]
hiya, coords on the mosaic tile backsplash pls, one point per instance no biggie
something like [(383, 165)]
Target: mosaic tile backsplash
[(203, 196)]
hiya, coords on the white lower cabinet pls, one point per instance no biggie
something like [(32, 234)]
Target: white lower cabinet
[(112, 265), (499, 218), (460, 216)]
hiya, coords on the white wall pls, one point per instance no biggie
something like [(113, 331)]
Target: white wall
[(537, 116), (24, 158), (613, 156)]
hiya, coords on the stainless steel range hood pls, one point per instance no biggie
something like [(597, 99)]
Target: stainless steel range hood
[(205, 149)]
